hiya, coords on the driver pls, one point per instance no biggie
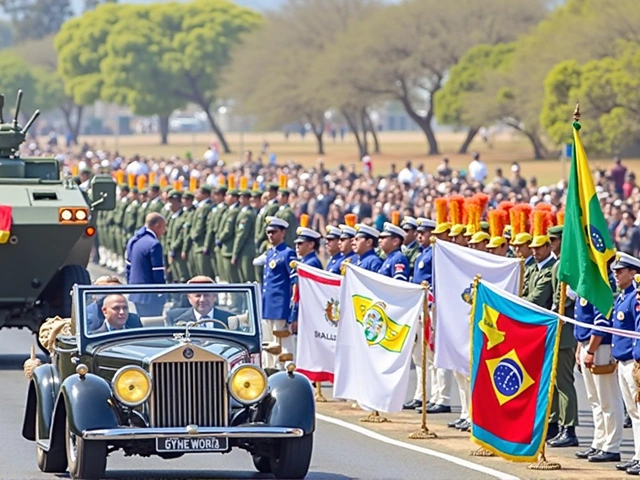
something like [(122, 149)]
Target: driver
[(115, 309), (202, 307)]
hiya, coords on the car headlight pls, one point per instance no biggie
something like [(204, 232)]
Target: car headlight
[(247, 384), (131, 385)]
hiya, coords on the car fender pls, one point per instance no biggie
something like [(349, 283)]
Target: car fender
[(85, 401), (41, 397), (290, 402)]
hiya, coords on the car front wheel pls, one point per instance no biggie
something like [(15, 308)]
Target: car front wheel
[(86, 459), (262, 463), (291, 457), (49, 461)]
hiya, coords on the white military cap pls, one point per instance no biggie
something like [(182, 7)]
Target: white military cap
[(366, 231), (347, 232), (332, 232), (424, 223), (624, 260), (276, 222), (409, 222), (391, 229), (305, 234)]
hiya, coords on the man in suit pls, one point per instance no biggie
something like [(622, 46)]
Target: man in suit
[(94, 314), (145, 264), (203, 307), (116, 313)]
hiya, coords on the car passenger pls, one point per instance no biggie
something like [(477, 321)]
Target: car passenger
[(115, 309)]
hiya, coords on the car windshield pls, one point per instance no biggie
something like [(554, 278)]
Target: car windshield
[(111, 309)]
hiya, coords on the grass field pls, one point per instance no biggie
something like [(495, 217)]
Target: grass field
[(396, 147)]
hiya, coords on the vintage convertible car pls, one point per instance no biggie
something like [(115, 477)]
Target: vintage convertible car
[(166, 385)]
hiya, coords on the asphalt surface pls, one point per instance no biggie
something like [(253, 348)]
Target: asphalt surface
[(339, 452)]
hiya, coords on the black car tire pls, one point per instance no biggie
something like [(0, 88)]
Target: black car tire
[(49, 461), (262, 463), (88, 460), (291, 457)]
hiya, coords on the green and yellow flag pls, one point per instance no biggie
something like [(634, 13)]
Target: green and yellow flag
[(586, 244)]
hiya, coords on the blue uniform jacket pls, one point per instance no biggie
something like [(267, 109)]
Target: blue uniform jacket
[(277, 283), (396, 265), (422, 267), (624, 318), (369, 261), (144, 264), (586, 313), (312, 260), (334, 263)]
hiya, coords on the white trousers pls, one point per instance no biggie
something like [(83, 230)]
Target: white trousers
[(605, 399), (464, 387), (628, 388), (439, 380), (288, 344)]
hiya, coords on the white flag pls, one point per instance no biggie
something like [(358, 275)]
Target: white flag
[(376, 333), (317, 322), (454, 270)]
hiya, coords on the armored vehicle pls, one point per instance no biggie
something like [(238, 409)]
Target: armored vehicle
[(46, 230)]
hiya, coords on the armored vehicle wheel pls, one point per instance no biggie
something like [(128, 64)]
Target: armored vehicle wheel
[(87, 459), (291, 457), (51, 461), (262, 464), (70, 275)]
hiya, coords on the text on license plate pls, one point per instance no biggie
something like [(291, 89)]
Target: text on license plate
[(192, 444)]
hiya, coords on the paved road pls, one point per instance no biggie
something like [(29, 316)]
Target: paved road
[(339, 453)]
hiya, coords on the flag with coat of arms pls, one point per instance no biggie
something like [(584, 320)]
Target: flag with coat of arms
[(376, 334), (513, 355), (319, 293)]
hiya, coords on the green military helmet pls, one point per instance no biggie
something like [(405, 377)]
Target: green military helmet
[(135, 190), (484, 226), (174, 194), (154, 187), (255, 190), (167, 189), (555, 232), (188, 195), (125, 188), (143, 191)]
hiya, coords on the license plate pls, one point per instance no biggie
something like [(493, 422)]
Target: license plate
[(209, 444)]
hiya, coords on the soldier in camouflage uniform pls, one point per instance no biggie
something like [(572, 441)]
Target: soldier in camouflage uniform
[(213, 226), (188, 213), (269, 209), (155, 202), (227, 232), (411, 247), (130, 221), (142, 209), (119, 238), (199, 262), (174, 237), (244, 248), (285, 212)]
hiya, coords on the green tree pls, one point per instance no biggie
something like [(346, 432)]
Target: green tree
[(406, 51), (36, 18), (17, 75), (467, 77), (134, 72), (6, 34)]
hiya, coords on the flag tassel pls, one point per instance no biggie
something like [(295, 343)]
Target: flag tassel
[(424, 432)]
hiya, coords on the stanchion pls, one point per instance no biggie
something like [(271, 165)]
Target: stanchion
[(424, 432)]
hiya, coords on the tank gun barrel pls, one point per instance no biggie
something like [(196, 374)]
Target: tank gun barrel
[(1, 108), (18, 103), (26, 128)]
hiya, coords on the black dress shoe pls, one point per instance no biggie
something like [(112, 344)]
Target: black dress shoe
[(627, 422), (604, 457), (626, 465), (567, 439), (413, 404), (587, 453), (455, 423), (553, 431), (635, 470), (439, 409)]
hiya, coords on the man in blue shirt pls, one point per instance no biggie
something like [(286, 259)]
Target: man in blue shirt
[(277, 289), (603, 390), (145, 264), (396, 265), (307, 244), (622, 348), (345, 242), (364, 244), (333, 249), (422, 268)]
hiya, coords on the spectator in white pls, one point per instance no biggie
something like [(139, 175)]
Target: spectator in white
[(477, 169), (408, 174), (367, 164), (137, 167)]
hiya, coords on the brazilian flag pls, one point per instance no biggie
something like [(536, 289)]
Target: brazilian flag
[(586, 244)]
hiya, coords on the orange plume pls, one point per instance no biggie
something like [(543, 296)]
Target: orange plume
[(542, 220), (152, 178), (473, 212), (255, 187), (441, 210), (120, 177), (163, 181), (497, 222), (75, 170), (456, 203), (483, 201), (560, 217), (244, 183), (131, 179), (141, 182), (350, 219), (232, 182), (177, 185), (505, 206), (221, 180), (282, 181), (304, 220), (193, 184), (395, 218)]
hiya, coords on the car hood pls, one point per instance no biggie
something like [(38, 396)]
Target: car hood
[(111, 357)]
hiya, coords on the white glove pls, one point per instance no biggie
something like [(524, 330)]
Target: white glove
[(571, 295), (260, 261)]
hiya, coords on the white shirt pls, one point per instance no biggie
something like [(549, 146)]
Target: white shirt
[(545, 261), (198, 316), (477, 171)]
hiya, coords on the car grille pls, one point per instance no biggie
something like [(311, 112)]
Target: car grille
[(189, 393)]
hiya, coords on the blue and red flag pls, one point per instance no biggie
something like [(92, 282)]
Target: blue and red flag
[(514, 348)]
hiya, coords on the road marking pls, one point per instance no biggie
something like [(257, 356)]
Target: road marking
[(443, 456)]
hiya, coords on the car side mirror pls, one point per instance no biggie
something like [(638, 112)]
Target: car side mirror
[(103, 193)]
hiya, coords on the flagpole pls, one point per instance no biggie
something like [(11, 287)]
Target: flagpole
[(424, 432), (522, 268)]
